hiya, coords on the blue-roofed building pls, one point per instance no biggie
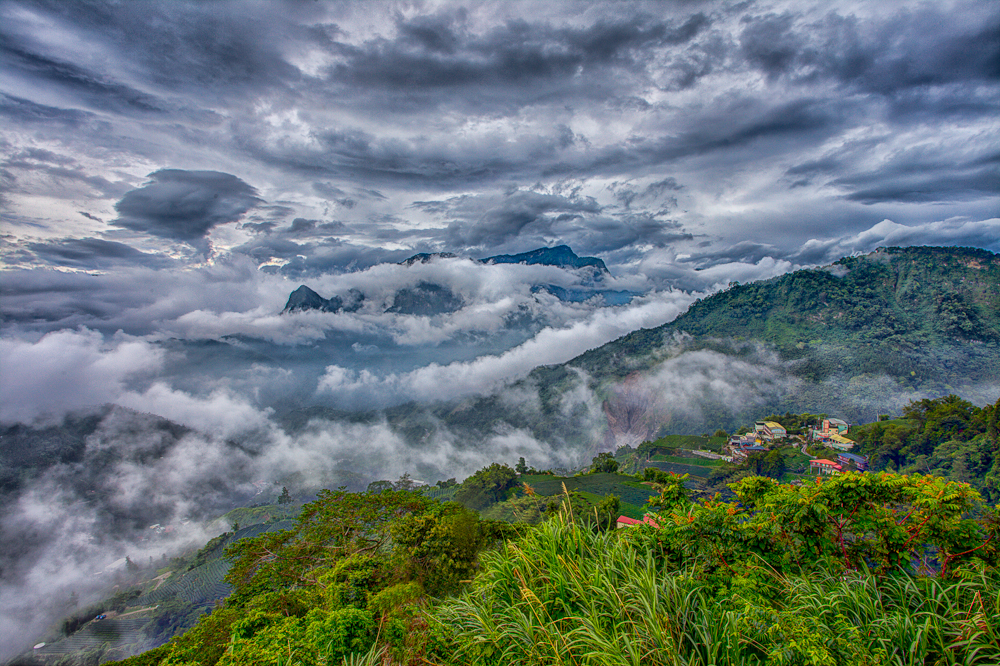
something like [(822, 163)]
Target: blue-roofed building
[(853, 461)]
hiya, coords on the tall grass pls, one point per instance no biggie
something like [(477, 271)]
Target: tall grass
[(565, 595)]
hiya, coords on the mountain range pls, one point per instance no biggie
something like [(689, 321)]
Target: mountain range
[(858, 338), (425, 298)]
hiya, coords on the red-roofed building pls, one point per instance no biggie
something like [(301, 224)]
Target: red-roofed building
[(824, 466), (625, 521)]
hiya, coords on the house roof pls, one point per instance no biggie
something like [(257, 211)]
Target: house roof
[(772, 425), (841, 439), (853, 457), (647, 519), (821, 461)]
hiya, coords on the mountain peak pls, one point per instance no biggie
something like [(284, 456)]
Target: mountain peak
[(426, 257), (560, 255), (304, 298)]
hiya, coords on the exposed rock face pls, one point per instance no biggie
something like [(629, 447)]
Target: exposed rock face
[(305, 298), (426, 298)]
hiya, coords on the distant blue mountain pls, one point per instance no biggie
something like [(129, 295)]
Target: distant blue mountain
[(560, 255)]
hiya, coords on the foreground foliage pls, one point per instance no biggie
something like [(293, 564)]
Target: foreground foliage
[(859, 569), (825, 574), (565, 595)]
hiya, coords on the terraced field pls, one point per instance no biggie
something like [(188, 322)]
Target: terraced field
[(111, 631), (699, 471), (197, 587)]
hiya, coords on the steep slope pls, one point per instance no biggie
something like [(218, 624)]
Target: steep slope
[(930, 314)]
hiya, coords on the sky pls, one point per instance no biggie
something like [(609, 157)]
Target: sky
[(171, 171)]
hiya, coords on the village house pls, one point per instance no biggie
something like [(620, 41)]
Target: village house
[(853, 461), (824, 466), (840, 443), (625, 521), (769, 430)]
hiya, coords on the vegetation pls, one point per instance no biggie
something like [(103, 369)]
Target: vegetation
[(892, 312), (947, 436), (857, 569)]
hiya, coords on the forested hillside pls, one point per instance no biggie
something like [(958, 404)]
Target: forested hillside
[(862, 337), (930, 314)]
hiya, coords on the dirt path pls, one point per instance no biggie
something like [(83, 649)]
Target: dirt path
[(160, 580), (133, 612)]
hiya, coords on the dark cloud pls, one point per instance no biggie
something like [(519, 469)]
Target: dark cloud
[(909, 48), (29, 112), (185, 205), (437, 52), (769, 43), (58, 167), (493, 222), (653, 191), (95, 253), (926, 189), (95, 89)]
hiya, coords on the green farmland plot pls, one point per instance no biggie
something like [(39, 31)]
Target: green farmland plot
[(626, 488)]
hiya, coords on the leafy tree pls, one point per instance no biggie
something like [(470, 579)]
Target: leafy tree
[(284, 497), (438, 547), (604, 462), (376, 487), (521, 467), (673, 495), (487, 486), (405, 483)]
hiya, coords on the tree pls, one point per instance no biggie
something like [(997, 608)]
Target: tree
[(405, 483), (377, 487), (773, 464), (673, 495), (284, 497), (604, 462), (485, 487), (521, 467)]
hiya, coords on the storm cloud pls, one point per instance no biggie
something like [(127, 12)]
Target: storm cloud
[(185, 205)]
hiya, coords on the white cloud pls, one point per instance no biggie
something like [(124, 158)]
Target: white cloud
[(490, 372), (955, 231), (220, 413), (68, 370)]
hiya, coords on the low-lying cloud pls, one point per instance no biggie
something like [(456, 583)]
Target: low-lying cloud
[(489, 373), (69, 370)]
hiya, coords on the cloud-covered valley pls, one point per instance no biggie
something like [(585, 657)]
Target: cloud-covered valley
[(170, 172)]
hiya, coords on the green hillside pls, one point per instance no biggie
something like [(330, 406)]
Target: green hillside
[(928, 313)]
